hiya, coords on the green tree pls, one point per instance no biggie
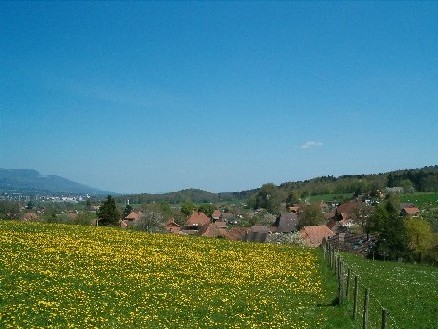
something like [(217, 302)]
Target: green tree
[(207, 209), (393, 242), (108, 213), (128, 209), (30, 205), (419, 233), (294, 197), (187, 208), (311, 215), (84, 218), (268, 198)]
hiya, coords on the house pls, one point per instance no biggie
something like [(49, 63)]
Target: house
[(315, 235), (171, 226), (348, 209), (286, 223), (257, 233), (197, 221), (235, 233), (214, 230), (30, 217), (130, 220), (229, 218), (133, 216), (216, 215), (410, 211)]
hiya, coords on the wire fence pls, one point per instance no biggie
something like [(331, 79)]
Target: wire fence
[(364, 305)]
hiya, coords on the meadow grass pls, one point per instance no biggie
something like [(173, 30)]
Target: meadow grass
[(329, 197), (423, 200), (64, 276), (408, 291)]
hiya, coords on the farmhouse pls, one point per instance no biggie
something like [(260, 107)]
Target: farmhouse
[(197, 221), (285, 223), (216, 215), (315, 235), (171, 226), (410, 211)]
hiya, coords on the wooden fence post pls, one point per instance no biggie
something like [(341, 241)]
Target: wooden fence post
[(356, 294), (347, 288), (384, 319), (333, 258), (366, 305), (341, 283)]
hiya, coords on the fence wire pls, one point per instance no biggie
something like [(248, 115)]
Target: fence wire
[(374, 311)]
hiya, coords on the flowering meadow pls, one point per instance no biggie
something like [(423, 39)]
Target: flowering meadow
[(64, 276)]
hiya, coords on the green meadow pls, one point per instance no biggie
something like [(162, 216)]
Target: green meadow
[(409, 292)]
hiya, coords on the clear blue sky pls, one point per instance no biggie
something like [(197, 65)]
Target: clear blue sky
[(221, 96)]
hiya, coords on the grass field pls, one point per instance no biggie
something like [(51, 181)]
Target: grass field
[(409, 292), (423, 200), (60, 276), (338, 198)]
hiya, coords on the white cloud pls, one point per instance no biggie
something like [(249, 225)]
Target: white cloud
[(310, 144)]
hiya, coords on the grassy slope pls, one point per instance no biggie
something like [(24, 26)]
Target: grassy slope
[(58, 276), (408, 291)]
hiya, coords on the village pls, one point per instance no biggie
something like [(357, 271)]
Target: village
[(344, 225)]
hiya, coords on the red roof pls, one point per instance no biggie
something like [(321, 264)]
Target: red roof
[(198, 219), (133, 216), (216, 214), (412, 211), (314, 235)]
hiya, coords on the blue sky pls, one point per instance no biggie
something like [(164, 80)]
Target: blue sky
[(221, 96)]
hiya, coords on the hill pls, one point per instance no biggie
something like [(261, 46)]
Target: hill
[(30, 181), (421, 180)]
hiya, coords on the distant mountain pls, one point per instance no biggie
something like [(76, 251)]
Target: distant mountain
[(30, 181), (194, 195)]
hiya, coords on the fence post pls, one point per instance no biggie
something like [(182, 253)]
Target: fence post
[(347, 288), (366, 305), (356, 293), (332, 258), (384, 319), (341, 283)]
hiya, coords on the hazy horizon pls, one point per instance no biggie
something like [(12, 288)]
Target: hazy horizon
[(153, 97)]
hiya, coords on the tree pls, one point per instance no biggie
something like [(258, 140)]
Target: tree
[(311, 215), (269, 198), (108, 213), (419, 233), (187, 208), (128, 209), (207, 209), (151, 222), (30, 205), (84, 218), (294, 197), (9, 209), (388, 224)]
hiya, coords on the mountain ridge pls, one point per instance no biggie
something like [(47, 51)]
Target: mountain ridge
[(33, 182)]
